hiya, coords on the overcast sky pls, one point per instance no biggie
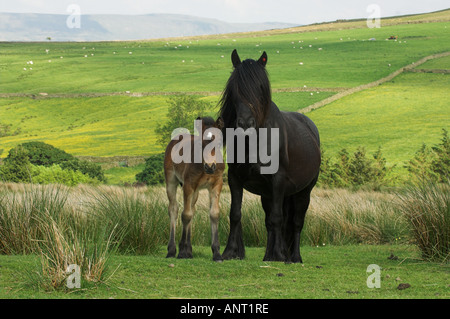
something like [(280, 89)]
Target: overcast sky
[(292, 11)]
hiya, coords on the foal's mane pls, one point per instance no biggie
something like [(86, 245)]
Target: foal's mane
[(249, 84)]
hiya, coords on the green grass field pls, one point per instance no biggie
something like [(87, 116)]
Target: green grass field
[(312, 62), (104, 126), (327, 272), (398, 116), (198, 65), (403, 114)]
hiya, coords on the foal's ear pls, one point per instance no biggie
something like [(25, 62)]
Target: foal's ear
[(263, 59), (219, 123), (235, 59)]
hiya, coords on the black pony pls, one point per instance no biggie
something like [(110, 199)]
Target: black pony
[(285, 195)]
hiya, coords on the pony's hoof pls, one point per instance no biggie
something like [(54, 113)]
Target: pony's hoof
[(230, 255), (184, 256), (234, 252)]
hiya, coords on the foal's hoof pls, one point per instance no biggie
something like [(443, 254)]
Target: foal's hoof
[(171, 254)]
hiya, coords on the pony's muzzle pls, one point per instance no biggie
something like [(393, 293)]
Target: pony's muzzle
[(210, 168), (246, 124)]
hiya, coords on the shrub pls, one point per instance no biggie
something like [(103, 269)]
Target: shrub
[(92, 170), (331, 173), (182, 112), (41, 163), (153, 172), (56, 175), (44, 154), (355, 170), (432, 163), (17, 167)]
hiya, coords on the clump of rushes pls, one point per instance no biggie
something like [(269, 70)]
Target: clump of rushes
[(20, 212), (62, 247), (140, 221), (38, 220), (427, 207)]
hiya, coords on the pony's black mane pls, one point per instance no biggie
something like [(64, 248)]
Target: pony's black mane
[(207, 121), (249, 84)]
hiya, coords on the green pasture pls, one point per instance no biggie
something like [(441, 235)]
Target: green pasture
[(105, 126), (121, 175), (327, 272), (398, 116), (442, 63), (347, 58)]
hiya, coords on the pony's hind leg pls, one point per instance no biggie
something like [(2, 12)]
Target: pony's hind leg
[(171, 189), (301, 203), (186, 217), (214, 196)]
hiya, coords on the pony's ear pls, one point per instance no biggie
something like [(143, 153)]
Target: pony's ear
[(263, 59), (235, 59), (199, 118), (219, 123)]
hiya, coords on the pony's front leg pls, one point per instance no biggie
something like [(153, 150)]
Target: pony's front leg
[(273, 207), (235, 246), (214, 196), (186, 217)]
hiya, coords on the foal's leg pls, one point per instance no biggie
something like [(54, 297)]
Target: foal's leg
[(171, 189), (214, 196), (186, 217)]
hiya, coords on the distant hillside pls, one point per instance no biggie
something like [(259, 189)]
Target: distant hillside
[(38, 27)]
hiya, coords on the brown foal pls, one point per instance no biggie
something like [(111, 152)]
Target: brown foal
[(193, 177)]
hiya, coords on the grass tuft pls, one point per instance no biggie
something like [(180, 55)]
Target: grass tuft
[(427, 208)]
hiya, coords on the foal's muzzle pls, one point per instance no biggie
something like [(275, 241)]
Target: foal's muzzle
[(210, 168)]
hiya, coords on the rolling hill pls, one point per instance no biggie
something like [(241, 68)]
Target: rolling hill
[(37, 27)]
